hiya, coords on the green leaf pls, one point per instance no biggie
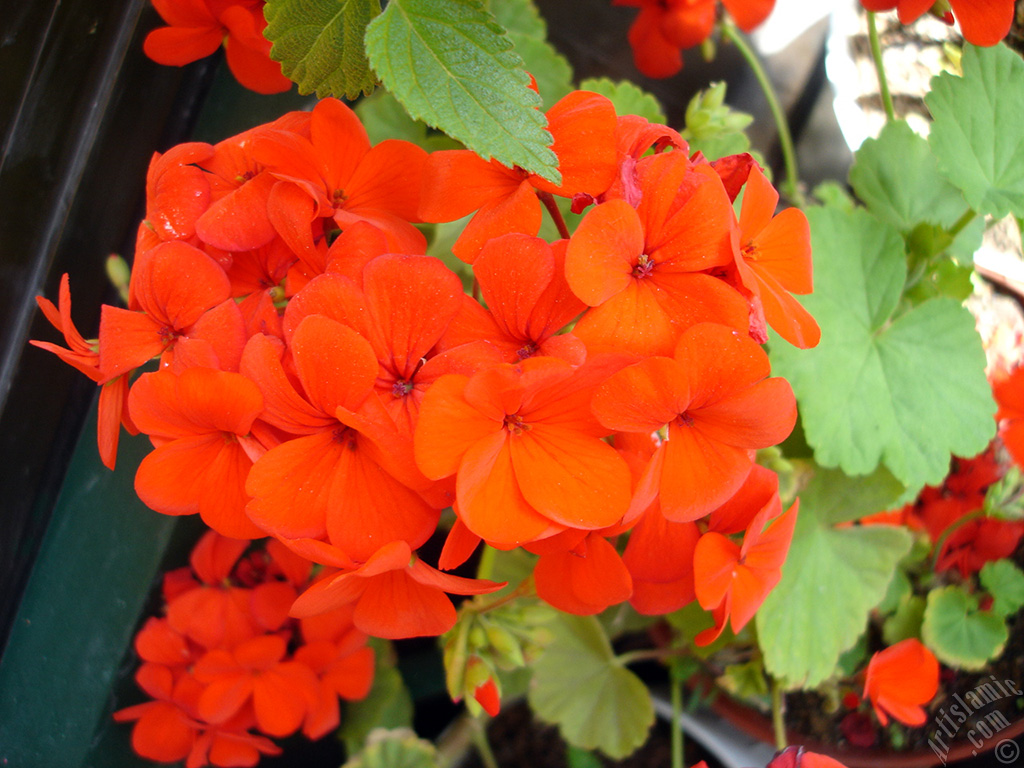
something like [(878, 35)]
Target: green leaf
[(831, 579), (529, 32), (399, 748), (1005, 582), (906, 192), (906, 392), (452, 66), (385, 118), (978, 129), (745, 681), (834, 195), (580, 685), (580, 758), (900, 590), (958, 633), (713, 127), (320, 44), (388, 705), (628, 98), (906, 621)]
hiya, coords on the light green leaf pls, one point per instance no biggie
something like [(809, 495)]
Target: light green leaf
[(906, 392), (529, 32), (399, 748), (452, 66), (897, 178), (384, 118), (978, 129), (320, 44), (958, 633), (831, 580), (905, 622), (628, 98), (1005, 582), (388, 705), (580, 685), (713, 127)]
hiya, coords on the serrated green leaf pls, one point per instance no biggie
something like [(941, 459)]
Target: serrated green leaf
[(906, 192), (831, 580), (529, 32), (628, 98), (906, 392), (320, 44), (958, 633), (1005, 582), (978, 129), (579, 684), (453, 67)]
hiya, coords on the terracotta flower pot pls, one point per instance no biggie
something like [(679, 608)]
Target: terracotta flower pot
[(756, 724)]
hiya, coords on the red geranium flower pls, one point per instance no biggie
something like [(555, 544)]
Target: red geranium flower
[(900, 679)]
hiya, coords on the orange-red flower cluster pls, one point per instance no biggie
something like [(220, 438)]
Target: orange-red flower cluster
[(197, 28), (226, 668), (323, 381), (665, 28), (982, 22)]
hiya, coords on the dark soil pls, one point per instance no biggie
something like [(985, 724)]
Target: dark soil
[(519, 741)]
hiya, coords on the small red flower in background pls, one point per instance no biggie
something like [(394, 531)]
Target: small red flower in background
[(665, 28), (197, 28), (900, 680), (1008, 389), (982, 22)]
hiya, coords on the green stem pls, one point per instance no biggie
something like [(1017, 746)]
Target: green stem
[(778, 715), (792, 190), (485, 567), (677, 728), (953, 527), (962, 222), (876, 55), (556, 215), (483, 746)]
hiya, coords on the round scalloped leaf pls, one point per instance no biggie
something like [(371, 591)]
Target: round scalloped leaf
[(907, 391), (581, 686), (978, 129), (1005, 582), (958, 633), (628, 98), (832, 577), (399, 748), (907, 192)]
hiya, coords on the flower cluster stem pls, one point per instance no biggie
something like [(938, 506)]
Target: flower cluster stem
[(876, 56), (677, 727), (482, 744), (556, 215), (791, 185), (778, 715)]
